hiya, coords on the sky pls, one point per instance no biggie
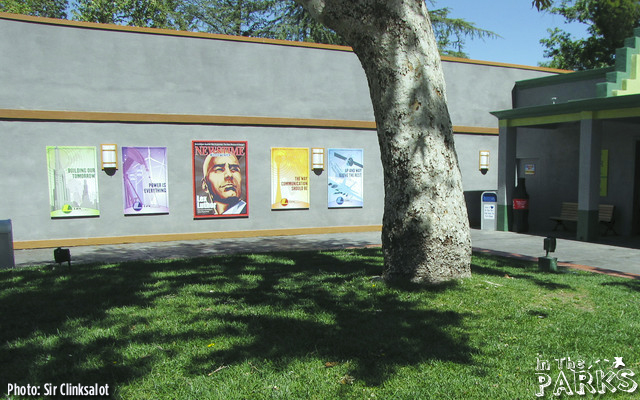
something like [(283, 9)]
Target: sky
[(520, 25)]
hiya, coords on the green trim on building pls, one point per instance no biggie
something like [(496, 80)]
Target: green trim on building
[(503, 218), (622, 113), (551, 119), (608, 107)]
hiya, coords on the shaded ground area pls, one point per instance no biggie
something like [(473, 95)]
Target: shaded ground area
[(305, 325), (616, 253)]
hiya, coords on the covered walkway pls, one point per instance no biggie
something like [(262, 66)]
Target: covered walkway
[(575, 136)]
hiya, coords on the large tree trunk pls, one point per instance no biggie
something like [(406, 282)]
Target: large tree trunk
[(425, 234)]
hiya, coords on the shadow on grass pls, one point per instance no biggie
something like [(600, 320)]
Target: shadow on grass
[(375, 332), (633, 285), (520, 269), (296, 305), (45, 309)]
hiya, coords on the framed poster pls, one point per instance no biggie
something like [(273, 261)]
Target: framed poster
[(220, 179), (289, 178), (530, 169), (345, 177), (73, 181), (144, 175)]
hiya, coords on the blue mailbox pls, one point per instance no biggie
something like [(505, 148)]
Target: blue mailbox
[(489, 210)]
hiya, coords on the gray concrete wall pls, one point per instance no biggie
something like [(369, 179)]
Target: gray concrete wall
[(474, 90), (28, 205), (73, 68), (468, 148), (48, 67)]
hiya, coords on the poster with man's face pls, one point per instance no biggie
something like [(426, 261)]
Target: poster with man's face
[(220, 179)]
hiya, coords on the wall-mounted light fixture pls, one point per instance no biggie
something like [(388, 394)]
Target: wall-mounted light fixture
[(317, 160), (484, 161), (109, 154)]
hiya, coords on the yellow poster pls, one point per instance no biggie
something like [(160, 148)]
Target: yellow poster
[(289, 178)]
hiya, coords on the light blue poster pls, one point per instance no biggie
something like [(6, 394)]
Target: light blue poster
[(345, 178)]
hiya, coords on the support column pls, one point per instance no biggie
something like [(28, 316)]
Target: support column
[(506, 173), (589, 178)]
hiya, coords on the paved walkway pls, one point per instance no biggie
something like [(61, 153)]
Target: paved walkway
[(618, 255)]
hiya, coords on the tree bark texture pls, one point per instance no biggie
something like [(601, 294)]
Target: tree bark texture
[(425, 234)]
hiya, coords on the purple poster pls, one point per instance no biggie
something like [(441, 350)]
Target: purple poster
[(146, 187)]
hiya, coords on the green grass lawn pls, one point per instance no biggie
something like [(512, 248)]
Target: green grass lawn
[(310, 325)]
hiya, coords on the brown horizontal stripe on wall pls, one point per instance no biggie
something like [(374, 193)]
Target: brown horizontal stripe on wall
[(97, 241), (213, 36), (88, 116), (107, 117), (505, 65), (167, 32), (475, 130)]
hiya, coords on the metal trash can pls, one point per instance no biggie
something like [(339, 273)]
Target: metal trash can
[(6, 245), (489, 210)]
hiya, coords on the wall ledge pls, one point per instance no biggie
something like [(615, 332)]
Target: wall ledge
[(115, 240)]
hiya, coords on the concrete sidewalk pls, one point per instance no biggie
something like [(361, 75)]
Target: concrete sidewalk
[(598, 256), (617, 255), (198, 248)]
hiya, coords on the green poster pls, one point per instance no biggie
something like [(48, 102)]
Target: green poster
[(73, 181)]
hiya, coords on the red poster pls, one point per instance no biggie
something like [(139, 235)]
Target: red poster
[(220, 179), (520, 204)]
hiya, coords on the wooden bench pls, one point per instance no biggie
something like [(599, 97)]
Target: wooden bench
[(569, 213), (605, 216)]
